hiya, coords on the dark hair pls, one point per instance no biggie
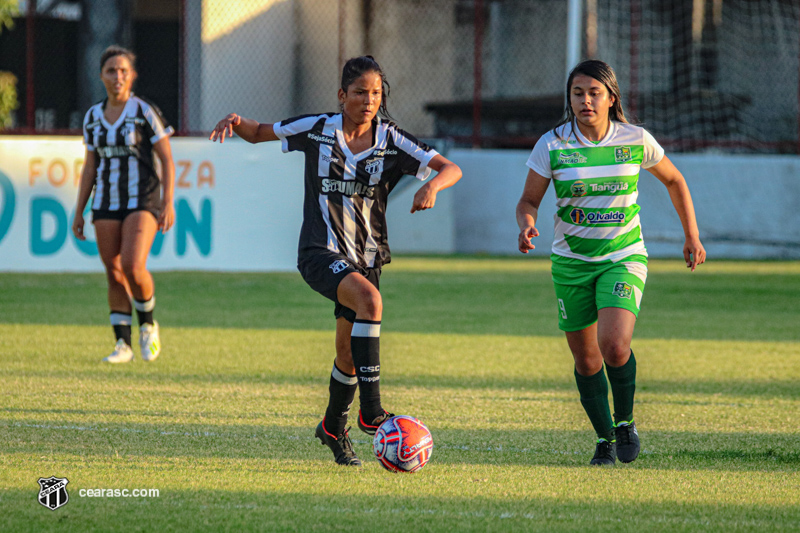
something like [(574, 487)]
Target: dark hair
[(358, 66), (602, 72), (115, 50)]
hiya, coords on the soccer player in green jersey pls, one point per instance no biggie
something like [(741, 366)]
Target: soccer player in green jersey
[(593, 157)]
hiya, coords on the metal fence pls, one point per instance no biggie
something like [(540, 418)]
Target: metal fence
[(699, 74)]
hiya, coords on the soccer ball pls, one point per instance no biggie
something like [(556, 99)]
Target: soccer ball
[(403, 444)]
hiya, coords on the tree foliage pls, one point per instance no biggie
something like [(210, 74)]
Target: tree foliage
[(8, 82)]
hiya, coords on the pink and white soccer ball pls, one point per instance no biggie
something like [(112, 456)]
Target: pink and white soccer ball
[(403, 444)]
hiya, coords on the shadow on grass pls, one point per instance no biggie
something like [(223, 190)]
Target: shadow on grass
[(734, 388), (460, 303), (240, 511), (662, 450)]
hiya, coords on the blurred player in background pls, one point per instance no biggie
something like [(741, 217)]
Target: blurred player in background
[(599, 262), (130, 202), (353, 161)]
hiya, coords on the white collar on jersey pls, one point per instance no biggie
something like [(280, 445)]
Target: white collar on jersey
[(377, 134), (125, 111), (612, 128)]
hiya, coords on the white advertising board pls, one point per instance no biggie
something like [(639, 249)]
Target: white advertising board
[(238, 207)]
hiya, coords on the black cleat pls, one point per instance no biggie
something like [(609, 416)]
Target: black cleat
[(605, 453), (627, 441), (372, 427), (341, 446)]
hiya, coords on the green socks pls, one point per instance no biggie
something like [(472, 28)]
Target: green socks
[(594, 398), (623, 386)]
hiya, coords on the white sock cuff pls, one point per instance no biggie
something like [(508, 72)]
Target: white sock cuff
[(149, 305), (121, 319), (341, 377), (366, 329)]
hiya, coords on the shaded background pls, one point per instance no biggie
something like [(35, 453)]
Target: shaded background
[(701, 75)]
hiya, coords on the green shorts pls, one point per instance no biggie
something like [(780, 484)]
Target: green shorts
[(582, 288)]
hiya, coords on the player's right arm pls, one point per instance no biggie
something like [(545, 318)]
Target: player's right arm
[(248, 129), (84, 192), (528, 209)]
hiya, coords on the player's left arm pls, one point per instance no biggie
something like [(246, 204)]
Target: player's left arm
[(671, 177), (448, 173), (163, 151)]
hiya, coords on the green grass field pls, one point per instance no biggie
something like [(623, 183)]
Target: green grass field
[(222, 424)]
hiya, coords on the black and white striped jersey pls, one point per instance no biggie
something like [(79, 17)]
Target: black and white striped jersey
[(126, 177), (344, 209)]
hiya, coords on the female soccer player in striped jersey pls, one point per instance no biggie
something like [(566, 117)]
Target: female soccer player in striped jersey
[(130, 203), (599, 262), (353, 161)]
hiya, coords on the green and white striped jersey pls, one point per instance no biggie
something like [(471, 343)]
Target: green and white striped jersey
[(596, 186)]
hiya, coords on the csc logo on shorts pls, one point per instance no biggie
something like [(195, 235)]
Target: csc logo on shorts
[(339, 266), (622, 289)]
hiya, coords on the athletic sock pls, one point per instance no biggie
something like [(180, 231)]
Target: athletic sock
[(623, 387), (144, 310), (121, 322), (365, 343), (342, 391), (594, 398)]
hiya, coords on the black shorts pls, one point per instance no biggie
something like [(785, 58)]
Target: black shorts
[(121, 214), (325, 270)]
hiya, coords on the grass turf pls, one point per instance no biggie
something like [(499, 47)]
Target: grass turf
[(222, 423)]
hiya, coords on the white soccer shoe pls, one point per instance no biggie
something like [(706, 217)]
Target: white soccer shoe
[(149, 341), (122, 353)]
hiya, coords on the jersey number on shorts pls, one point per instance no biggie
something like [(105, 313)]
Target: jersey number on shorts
[(563, 309)]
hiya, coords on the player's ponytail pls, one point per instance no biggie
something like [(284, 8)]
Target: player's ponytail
[(358, 66), (602, 72)]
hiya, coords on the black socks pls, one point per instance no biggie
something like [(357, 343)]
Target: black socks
[(365, 344), (121, 322), (342, 391)]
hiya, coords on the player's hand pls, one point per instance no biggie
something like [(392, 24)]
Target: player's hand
[(77, 227), (167, 217), (424, 199), (694, 253), (525, 236), (225, 126)]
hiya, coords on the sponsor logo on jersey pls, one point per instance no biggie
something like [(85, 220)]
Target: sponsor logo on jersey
[(611, 217), (578, 216), (374, 166), (116, 151), (612, 187), (578, 188), (381, 153), (571, 159), (330, 159), (622, 289), (340, 265), (568, 141), (622, 154), (347, 188), (321, 138)]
